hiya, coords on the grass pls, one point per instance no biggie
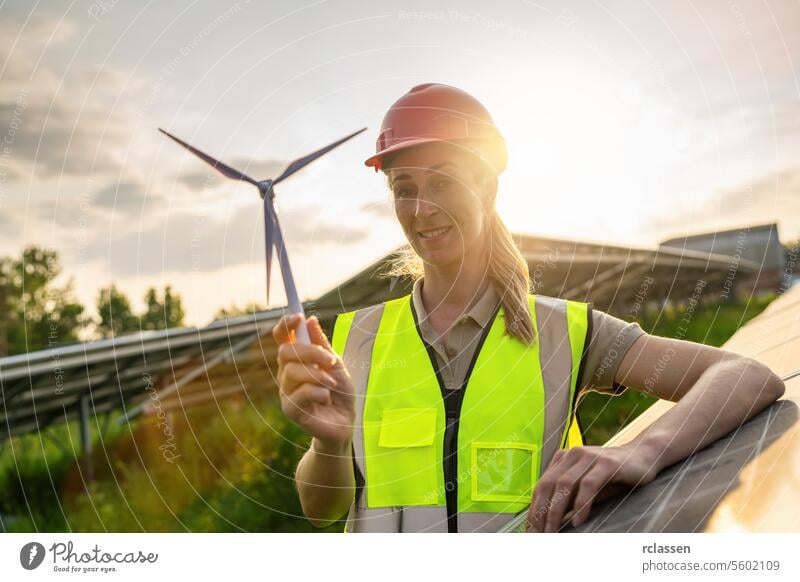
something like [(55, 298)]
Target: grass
[(234, 473)]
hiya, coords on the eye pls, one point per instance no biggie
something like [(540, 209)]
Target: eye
[(441, 183), (402, 192)]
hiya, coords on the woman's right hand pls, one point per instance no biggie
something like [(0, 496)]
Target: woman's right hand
[(315, 388)]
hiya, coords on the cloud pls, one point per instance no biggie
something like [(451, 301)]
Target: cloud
[(186, 242), (304, 229), (777, 194), (381, 209), (9, 173), (67, 122), (58, 140), (774, 197), (9, 228), (207, 177), (119, 205), (22, 40), (778, 121), (127, 197), (66, 223)]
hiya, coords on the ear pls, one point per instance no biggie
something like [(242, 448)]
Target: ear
[(489, 189)]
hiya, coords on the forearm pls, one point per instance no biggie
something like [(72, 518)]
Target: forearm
[(325, 482), (725, 396)]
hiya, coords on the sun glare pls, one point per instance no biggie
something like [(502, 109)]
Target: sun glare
[(584, 149)]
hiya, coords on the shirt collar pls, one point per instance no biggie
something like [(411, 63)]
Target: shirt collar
[(481, 312)]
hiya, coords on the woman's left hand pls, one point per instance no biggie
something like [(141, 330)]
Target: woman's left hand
[(580, 476)]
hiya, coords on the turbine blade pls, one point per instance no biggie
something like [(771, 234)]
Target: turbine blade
[(300, 163), (219, 166), (269, 237), (280, 250), (292, 297)]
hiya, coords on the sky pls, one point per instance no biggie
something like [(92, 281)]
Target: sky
[(626, 123)]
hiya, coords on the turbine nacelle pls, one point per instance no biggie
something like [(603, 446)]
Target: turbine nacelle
[(265, 187)]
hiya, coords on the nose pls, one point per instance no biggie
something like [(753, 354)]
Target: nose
[(423, 205)]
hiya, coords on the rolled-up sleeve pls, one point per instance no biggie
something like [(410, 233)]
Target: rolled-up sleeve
[(611, 338)]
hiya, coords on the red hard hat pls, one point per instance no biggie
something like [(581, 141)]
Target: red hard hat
[(433, 112)]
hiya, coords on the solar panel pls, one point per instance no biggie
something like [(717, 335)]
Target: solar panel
[(47, 386)]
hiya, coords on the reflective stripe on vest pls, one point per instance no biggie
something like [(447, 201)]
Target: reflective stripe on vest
[(499, 427), (340, 332)]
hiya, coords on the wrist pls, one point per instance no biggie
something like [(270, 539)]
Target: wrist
[(331, 449), (651, 449)]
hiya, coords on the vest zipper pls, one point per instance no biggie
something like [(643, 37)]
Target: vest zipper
[(453, 400), (450, 460)]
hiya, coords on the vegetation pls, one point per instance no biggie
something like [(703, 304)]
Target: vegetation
[(162, 312), (235, 310), (233, 472), (37, 314), (116, 315)]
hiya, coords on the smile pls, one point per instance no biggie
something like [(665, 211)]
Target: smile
[(434, 234)]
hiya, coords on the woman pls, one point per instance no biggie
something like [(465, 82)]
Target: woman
[(452, 409)]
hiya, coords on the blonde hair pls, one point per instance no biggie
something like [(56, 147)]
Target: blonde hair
[(507, 271)]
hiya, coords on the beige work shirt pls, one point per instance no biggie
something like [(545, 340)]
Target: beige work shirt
[(611, 339)]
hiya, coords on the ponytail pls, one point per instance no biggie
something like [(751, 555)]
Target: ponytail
[(508, 272)]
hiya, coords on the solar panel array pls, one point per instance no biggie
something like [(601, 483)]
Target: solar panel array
[(44, 387)]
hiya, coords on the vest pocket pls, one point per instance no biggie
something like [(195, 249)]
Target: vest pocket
[(503, 471), (408, 427), (405, 467)]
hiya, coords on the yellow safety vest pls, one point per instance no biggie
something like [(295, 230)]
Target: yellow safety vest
[(477, 449)]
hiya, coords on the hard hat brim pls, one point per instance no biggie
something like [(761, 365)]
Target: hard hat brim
[(375, 160)]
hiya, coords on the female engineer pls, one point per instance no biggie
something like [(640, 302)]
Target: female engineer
[(451, 409)]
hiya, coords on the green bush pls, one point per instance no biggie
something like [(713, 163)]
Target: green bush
[(32, 471)]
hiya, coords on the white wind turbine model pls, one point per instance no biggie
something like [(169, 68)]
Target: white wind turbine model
[(272, 229)]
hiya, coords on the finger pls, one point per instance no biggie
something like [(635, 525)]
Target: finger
[(297, 405), (317, 334), (295, 374), (558, 456), (306, 354), (537, 514), (590, 486), (566, 487), (282, 329)]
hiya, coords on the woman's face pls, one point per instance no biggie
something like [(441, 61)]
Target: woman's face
[(439, 201)]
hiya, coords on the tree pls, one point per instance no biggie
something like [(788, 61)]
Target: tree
[(35, 313), (116, 316), (235, 310), (162, 313)]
